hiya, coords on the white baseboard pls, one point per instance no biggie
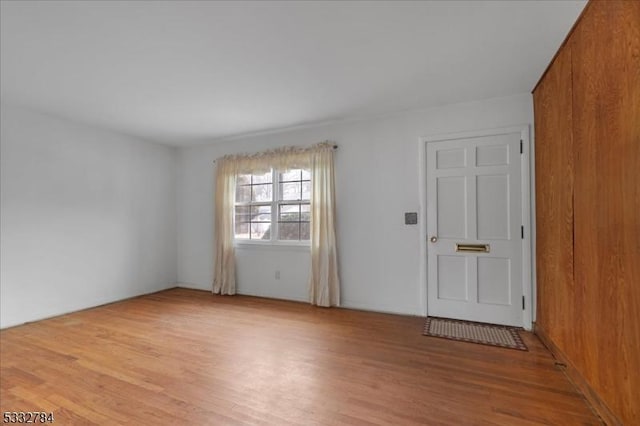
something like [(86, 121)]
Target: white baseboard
[(414, 312), (101, 303), (192, 286), (346, 304)]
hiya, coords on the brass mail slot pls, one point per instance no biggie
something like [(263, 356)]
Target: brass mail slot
[(473, 248)]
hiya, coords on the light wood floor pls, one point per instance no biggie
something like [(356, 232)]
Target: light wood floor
[(187, 357)]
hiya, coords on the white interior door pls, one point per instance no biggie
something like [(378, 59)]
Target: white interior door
[(474, 220)]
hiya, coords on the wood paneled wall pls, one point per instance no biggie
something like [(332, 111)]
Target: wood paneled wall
[(554, 186), (587, 120)]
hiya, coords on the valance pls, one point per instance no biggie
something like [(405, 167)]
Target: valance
[(279, 158)]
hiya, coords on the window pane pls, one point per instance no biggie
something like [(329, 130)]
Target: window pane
[(243, 179), (242, 218), (261, 192), (253, 219), (242, 230), (260, 231), (289, 213), (305, 231), (243, 194), (242, 214), (293, 174), (306, 190), (289, 231), (290, 191), (243, 210), (305, 212), (260, 213), (262, 178)]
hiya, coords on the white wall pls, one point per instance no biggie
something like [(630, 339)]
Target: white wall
[(87, 216), (377, 168)]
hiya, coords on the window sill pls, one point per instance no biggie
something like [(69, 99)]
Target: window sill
[(270, 245)]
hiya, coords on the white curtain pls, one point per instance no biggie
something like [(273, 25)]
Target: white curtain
[(324, 284), (224, 277)]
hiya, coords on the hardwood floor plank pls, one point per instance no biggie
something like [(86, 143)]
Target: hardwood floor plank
[(185, 357)]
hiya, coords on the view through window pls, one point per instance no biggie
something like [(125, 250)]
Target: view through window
[(273, 206)]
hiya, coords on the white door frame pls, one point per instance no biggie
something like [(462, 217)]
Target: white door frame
[(527, 252)]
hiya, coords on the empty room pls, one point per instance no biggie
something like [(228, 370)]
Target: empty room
[(320, 212)]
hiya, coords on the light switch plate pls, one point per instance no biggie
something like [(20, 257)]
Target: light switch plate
[(411, 218)]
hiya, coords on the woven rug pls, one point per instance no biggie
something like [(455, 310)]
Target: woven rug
[(474, 332)]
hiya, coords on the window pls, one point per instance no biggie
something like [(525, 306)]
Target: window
[(273, 206)]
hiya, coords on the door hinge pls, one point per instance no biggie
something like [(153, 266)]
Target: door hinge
[(521, 147), (523, 303), (522, 232)]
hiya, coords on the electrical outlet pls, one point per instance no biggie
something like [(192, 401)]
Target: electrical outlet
[(277, 275)]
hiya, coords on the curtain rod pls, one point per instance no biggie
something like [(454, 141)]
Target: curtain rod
[(334, 147)]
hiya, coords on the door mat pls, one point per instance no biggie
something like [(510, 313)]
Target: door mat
[(474, 332)]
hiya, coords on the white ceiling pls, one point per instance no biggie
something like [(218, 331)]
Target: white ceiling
[(182, 72)]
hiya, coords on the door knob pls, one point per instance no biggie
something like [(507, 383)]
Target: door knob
[(433, 239)]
